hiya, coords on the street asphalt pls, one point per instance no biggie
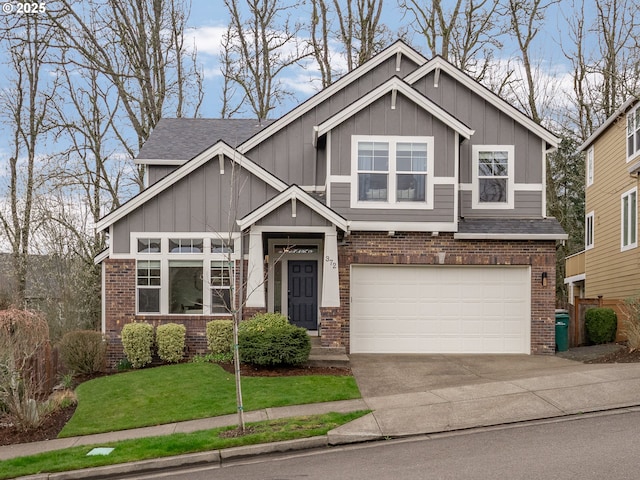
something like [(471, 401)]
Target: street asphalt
[(409, 395)]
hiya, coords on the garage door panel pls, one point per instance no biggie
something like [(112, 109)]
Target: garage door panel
[(438, 309)]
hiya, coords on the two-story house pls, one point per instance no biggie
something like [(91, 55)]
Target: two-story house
[(401, 209), (609, 266)]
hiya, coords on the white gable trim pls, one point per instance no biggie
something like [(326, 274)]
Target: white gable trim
[(613, 118), (394, 84), (293, 194), (159, 161), (398, 48), (219, 148), (438, 63)]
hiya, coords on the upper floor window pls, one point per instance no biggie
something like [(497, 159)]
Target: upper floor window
[(629, 220), (392, 170), (185, 245), (493, 176), (588, 231), (633, 133), (590, 166)]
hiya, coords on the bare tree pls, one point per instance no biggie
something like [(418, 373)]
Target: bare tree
[(138, 47), (467, 34), (320, 35), (26, 104), (259, 47)]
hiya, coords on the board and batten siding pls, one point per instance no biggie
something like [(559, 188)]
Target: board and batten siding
[(158, 172), (610, 272), (283, 217), (491, 126), (526, 205), (289, 153), (443, 210), (199, 202)]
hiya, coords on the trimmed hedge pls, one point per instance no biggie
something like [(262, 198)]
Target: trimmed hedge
[(261, 322), (83, 351), (275, 344), (137, 342), (220, 336), (601, 325), (170, 339)]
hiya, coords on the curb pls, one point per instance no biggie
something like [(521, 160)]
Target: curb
[(215, 457)]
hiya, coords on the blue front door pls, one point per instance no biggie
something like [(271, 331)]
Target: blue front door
[(303, 293)]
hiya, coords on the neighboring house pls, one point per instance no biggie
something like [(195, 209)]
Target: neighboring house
[(609, 266), (401, 209)]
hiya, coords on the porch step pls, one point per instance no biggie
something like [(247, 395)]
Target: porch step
[(327, 356)]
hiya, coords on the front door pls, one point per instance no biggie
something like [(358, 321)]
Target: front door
[(303, 293)]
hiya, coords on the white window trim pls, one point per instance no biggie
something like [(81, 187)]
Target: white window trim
[(475, 189), (633, 215), (631, 156), (165, 257), (590, 167), (391, 202), (589, 220)]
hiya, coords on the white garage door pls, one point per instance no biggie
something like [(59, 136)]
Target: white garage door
[(440, 309)]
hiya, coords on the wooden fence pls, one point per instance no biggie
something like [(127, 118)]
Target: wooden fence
[(577, 331)]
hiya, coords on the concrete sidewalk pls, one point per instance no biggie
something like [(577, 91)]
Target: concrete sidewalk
[(491, 392)]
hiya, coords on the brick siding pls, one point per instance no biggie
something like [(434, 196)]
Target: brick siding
[(413, 248)]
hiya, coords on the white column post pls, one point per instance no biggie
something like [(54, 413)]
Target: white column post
[(330, 278), (255, 273)]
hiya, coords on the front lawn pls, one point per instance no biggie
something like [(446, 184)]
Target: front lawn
[(187, 391)]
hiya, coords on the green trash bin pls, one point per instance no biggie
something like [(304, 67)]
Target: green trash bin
[(562, 330)]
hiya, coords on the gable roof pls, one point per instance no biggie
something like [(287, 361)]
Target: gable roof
[(592, 138), (219, 148), (398, 48), (293, 193), (439, 63), (177, 140), (394, 84)]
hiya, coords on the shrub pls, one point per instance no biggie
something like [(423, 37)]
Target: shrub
[(601, 324), (275, 345), (261, 322), (24, 342), (631, 324), (220, 336), (83, 351), (170, 339), (137, 342)]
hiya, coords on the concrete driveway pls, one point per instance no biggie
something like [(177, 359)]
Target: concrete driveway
[(380, 375)]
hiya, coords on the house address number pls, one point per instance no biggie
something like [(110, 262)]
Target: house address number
[(331, 262)]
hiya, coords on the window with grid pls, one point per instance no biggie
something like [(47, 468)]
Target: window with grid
[(148, 286), (493, 176), (629, 219), (373, 171), (221, 282), (633, 133), (411, 171)]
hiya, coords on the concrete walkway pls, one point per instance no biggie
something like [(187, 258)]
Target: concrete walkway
[(489, 390)]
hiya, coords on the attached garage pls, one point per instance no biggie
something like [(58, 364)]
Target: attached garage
[(440, 309)]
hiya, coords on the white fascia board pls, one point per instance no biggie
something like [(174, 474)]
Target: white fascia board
[(101, 257), (158, 161), (186, 169), (293, 192), (485, 93), (581, 277), (393, 50), (623, 108), (510, 236), (399, 85), (367, 226)]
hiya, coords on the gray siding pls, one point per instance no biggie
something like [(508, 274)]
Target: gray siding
[(526, 205), (406, 119), (492, 127), (443, 210), (305, 216), (289, 154), (158, 172), (198, 202)]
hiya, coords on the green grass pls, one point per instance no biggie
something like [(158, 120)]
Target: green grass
[(177, 444), (188, 391)]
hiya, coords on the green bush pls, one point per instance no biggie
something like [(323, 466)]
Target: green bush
[(170, 339), (275, 345), (137, 342), (262, 322), (601, 325), (83, 351), (220, 336)]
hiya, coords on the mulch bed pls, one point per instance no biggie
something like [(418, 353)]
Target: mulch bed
[(54, 423)]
